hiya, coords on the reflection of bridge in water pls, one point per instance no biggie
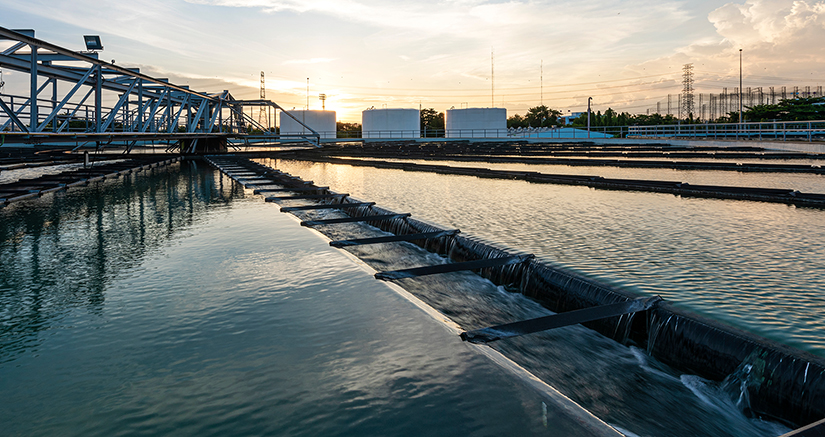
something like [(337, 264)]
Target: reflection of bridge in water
[(119, 106), (76, 244)]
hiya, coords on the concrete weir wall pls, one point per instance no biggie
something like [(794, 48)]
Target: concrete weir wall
[(778, 382)]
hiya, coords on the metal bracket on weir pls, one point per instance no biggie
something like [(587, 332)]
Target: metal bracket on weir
[(287, 190), (327, 206), (452, 267), (368, 218), (393, 238), (306, 196), (816, 429), (515, 329)]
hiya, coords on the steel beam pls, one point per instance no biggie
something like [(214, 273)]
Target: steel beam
[(452, 267), (65, 99), (515, 329), (12, 117), (159, 107)]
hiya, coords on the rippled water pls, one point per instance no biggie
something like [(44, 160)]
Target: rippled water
[(758, 266), (172, 303)]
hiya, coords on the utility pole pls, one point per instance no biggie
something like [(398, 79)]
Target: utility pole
[(588, 116), (492, 79), (740, 85)]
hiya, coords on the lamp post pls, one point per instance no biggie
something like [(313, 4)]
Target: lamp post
[(588, 116), (740, 85)]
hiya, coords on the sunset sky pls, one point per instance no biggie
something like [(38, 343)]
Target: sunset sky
[(627, 55)]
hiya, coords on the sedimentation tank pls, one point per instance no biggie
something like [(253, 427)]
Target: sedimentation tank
[(391, 123), (322, 122), (476, 123)]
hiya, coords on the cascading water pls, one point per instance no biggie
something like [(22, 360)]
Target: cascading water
[(473, 304)]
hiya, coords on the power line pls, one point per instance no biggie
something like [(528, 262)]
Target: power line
[(328, 85)]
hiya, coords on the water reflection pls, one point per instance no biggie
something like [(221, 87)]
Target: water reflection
[(207, 314), (59, 252)]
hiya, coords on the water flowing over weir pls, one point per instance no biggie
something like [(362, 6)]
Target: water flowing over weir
[(769, 394), (779, 382)]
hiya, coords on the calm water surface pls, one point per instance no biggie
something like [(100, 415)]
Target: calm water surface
[(173, 303), (757, 266)]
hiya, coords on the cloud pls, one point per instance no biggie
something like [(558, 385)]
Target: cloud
[(309, 61), (759, 22), (781, 42), (438, 51), (771, 33), (482, 18)]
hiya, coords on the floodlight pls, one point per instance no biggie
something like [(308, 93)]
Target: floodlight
[(92, 42)]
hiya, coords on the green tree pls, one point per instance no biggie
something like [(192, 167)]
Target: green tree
[(537, 116), (806, 108), (348, 130), (542, 116), (432, 123), (516, 121)]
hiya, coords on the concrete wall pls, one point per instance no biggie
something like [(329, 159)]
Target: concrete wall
[(322, 122), (476, 123), (391, 123)]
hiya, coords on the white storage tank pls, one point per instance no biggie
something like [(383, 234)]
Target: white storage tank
[(476, 123), (322, 122), (391, 123)]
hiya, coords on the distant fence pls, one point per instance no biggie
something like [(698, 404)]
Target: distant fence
[(775, 131), (545, 132), (768, 131)]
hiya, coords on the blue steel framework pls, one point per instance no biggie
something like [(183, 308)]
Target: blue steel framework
[(145, 109)]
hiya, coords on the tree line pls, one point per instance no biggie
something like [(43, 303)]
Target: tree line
[(797, 109)]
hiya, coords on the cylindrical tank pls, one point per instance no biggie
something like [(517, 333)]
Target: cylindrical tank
[(391, 123), (322, 122), (476, 123)]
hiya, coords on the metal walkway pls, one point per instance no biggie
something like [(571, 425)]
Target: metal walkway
[(74, 97)]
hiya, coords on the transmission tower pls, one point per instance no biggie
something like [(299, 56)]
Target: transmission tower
[(687, 90), (261, 117)]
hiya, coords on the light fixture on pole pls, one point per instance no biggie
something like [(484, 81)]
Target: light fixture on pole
[(92, 43)]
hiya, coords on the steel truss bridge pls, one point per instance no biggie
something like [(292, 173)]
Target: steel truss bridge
[(68, 89)]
